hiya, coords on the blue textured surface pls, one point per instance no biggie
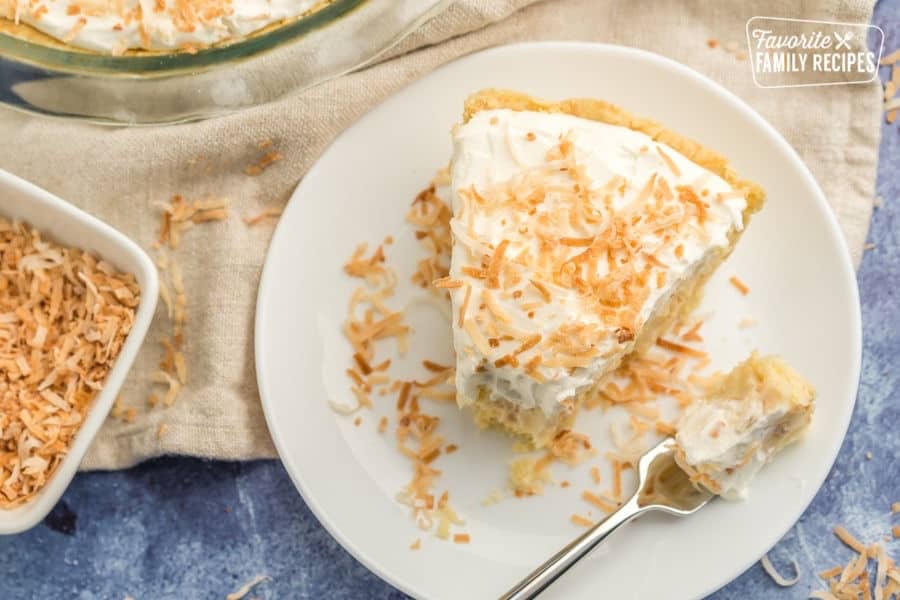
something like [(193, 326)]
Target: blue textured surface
[(185, 528)]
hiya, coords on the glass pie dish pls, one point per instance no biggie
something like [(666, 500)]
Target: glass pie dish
[(166, 88)]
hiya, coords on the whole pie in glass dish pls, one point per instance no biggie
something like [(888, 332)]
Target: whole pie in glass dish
[(146, 26)]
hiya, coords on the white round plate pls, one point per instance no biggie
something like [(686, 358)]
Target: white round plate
[(803, 294)]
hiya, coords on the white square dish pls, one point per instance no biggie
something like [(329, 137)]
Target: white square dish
[(67, 225)]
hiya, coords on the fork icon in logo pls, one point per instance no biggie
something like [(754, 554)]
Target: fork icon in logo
[(843, 42)]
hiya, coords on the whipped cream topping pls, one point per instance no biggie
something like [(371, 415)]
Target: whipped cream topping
[(550, 190), (112, 27), (754, 411)]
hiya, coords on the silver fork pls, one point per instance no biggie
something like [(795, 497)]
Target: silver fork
[(662, 485)]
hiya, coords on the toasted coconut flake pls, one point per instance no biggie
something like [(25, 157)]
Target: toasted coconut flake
[(264, 162), (669, 162), (664, 428), (174, 387), (723, 196), (617, 479), (464, 306), (166, 298), (180, 367), (493, 278), (218, 214), (528, 344), (576, 242), (461, 538), (777, 577), (854, 569), (417, 543), (477, 273), (848, 539), (747, 323), (581, 521), (495, 308), (245, 589), (362, 363), (881, 571), (599, 502), (542, 288), (435, 367), (477, 337), (447, 283), (891, 58), (692, 334), (344, 409), (680, 348), (268, 214), (739, 285), (438, 395), (74, 30), (822, 595)]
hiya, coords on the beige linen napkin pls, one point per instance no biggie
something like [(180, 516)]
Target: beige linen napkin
[(118, 174)]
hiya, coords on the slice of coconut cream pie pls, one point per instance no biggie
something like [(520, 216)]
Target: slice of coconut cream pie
[(744, 419), (580, 233)]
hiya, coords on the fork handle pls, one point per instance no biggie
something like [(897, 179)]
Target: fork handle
[(565, 559)]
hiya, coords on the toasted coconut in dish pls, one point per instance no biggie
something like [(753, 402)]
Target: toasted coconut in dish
[(64, 316), (580, 234)]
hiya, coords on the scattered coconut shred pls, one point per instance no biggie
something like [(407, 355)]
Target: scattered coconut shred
[(245, 589), (267, 215), (777, 577), (854, 580), (731, 47), (178, 217), (891, 102), (268, 157), (671, 368), (64, 316), (371, 320)]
